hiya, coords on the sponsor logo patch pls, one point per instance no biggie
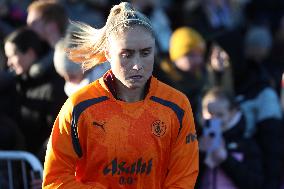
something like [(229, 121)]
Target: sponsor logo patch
[(158, 128), (128, 172), (116, 167)]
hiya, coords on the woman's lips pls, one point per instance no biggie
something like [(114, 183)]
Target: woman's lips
[(136, 77)]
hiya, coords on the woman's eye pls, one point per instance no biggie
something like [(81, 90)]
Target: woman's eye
[(125, 55), (145, 53)]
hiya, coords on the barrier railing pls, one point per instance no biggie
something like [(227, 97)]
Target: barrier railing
[(24, 158)]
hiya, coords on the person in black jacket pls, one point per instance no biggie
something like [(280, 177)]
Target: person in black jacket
[(261, 104), (228, 159), (38, 99)]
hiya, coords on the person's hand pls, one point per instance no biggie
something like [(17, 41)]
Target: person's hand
[(205, 143), (220, 154), (217, 156)]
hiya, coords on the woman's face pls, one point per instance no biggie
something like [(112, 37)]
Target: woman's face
[(131, 56), (219, 59), (18, 61)]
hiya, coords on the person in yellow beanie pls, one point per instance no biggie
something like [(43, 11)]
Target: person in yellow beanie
[(187, 48), (186, 69)]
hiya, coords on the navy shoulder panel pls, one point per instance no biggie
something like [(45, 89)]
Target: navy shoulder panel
[(178, 111), (77, 110)]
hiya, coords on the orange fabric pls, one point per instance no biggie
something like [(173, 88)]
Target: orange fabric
[(125, 145)]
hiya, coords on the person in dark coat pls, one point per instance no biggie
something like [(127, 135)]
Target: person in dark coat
[(38, 99), (261, 104), (186, 69)]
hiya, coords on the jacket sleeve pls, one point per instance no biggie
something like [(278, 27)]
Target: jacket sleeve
[(61, 159), (183, 165), (249, 172)]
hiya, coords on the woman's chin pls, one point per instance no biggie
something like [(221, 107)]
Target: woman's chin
[(135, 85)]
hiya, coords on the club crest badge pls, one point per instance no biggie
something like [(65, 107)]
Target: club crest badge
[(158, 128)]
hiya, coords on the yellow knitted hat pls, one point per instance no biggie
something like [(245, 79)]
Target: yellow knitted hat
[(183, 40)]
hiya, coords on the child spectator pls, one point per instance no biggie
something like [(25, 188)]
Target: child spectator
[(228, 159)]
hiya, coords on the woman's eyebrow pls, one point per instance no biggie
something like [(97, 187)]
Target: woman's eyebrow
[(132, 50), (128, 50), (147, 48)]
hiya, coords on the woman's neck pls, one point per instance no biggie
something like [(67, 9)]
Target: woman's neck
[(121, 92), (129, 95)]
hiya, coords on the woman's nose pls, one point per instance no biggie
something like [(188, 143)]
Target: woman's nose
[(137, 67), (137, 63)]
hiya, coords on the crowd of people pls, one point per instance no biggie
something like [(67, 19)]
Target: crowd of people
[(226, 56)]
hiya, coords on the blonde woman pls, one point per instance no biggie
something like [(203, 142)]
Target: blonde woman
[(127, 129)]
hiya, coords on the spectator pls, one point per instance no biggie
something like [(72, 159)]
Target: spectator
[(220, 69), (49, 20), (261, 104), (186, 70), (228, 159), (255, 78), (72, 72), (11, 137), (38, 99)]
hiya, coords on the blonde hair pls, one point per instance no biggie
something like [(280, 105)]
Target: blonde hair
[(89, 44), (61, 62)]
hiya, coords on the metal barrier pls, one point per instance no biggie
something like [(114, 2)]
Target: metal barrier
[(24, 158)]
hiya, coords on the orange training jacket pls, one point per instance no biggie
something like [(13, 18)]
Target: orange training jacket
[(99, 142)]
